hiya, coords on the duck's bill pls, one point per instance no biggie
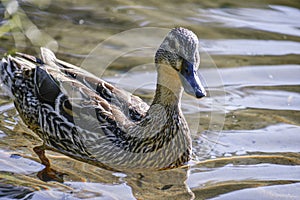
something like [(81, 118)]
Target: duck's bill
[(190, 80)]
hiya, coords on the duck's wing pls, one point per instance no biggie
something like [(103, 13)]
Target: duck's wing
[(133, 107), (76, 102)]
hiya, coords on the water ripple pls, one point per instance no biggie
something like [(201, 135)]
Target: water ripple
[(276, 19)]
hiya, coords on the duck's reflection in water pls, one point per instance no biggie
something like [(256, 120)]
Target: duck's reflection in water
[(165, 184)]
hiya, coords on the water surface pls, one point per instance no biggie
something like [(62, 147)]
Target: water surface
[(245, 134)]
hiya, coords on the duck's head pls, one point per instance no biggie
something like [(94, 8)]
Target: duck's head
[(180, 51)]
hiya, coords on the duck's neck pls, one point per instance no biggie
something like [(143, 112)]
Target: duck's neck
[(168, 89), (163, 132)]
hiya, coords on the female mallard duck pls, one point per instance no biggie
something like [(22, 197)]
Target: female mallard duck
[(90, 120)]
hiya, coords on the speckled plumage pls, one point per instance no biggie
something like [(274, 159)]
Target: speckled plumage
[(86, 118)]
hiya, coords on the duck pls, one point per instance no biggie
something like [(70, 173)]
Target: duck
[(86, 118)]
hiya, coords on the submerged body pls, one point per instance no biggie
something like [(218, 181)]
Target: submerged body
[(88, 119)]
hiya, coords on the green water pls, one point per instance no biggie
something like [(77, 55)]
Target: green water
[(246, 133)]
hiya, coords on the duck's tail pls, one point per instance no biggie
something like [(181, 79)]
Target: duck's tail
[(5, 74), (15, 69)]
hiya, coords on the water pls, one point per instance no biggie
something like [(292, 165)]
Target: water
[(245, 134)]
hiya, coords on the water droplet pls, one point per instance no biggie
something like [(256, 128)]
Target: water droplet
[(270, 76), (81, 22)]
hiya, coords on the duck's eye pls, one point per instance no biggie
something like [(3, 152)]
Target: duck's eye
[(188, 71)]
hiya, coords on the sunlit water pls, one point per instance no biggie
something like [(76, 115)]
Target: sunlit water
[(246, 134)]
